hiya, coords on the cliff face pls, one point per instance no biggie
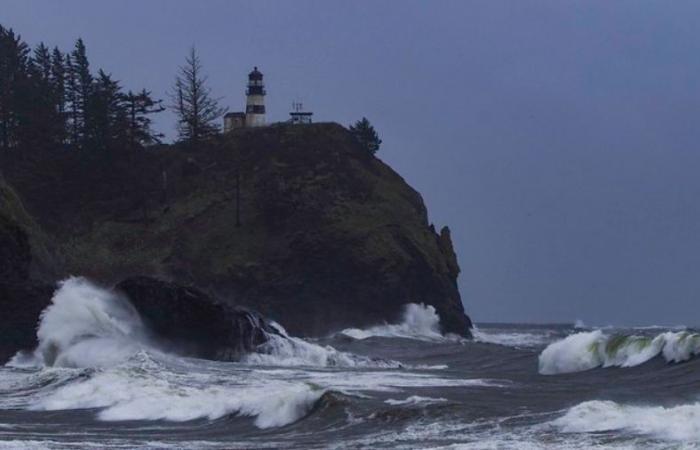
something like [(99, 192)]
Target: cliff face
[(21, 299), (296, 222)]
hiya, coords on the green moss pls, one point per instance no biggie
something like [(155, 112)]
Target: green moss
[(11, 207), (44, 258)]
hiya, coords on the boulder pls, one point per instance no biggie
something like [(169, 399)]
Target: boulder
[(194, 323)]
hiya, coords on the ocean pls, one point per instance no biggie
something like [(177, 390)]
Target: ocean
[(97, 380)]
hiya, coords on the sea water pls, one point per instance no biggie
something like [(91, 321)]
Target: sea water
[(99, 379)]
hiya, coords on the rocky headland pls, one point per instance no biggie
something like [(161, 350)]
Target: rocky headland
[(298, 223)]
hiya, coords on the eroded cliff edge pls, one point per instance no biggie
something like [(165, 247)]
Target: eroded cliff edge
[(297, 222)]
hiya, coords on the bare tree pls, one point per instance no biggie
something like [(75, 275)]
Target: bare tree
[(198, 112)]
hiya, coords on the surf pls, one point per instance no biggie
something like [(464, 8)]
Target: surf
[(675, 423), (588, 350), (418, 321)]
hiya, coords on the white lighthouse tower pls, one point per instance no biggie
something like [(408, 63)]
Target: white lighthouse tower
[(255, 100)]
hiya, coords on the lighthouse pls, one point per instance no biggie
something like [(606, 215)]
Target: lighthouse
[(255, 100)]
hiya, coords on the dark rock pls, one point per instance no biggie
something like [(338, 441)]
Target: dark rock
[(21, 299), (15, 253), (21, 305), (194, 322)]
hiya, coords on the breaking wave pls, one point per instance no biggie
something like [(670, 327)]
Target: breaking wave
[(588, 350), (419, 321), (415, 400), (678, 423), (95, 351), (511, 339), (86, 326), (285, 350), (89, 326), (142, 389)]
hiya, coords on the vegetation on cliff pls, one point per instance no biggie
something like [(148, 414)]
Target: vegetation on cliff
[(21, 298), (298, 222)]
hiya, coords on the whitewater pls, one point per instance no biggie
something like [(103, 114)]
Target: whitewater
[(587, 350), (100, 379)]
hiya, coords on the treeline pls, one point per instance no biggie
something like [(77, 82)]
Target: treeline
[(51, 100)]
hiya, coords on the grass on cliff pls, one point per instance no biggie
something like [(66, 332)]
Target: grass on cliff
[(12, 211)]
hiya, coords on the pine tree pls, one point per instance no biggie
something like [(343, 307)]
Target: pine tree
[(14, 58), (139, 107), (107, 116), (81, 85), (42, 63), (41, 127), (72, 103), (366, 135), (198, 112), (58, 82)]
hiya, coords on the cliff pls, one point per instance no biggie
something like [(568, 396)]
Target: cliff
[(297, 222), (21, 298)]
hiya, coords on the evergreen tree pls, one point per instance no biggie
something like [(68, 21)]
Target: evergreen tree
[(58, 82), (14, 57), (41, 127), (366, 135), (42, 63), (106, 115), (49, 99), (197, 111), (72, 105), (81, 86), (139, 107)]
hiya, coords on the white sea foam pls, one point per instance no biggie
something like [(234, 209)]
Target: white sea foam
[(414, 400), (285, 350), (89, 326), (588, 350), (145, 388), (388, 381), (123, 396), (678, 423), (85, 326), (511, 338), (95, 352), (419, 321), (163, 387)]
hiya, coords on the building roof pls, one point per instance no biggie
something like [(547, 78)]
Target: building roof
[(255, 74), (301, 113)]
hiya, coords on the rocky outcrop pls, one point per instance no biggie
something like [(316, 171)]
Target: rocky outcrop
[(297, 222), (193, 322), (21, 298), (15, 255)]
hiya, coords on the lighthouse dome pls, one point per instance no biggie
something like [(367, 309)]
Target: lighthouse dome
[(255, 74)]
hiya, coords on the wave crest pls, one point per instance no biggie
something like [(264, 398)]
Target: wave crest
[(146, 389), (86, 326), (678, 423), (285, 350), (588, 350), (419, 321)]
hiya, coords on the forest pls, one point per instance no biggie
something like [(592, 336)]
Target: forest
[(51, 100)]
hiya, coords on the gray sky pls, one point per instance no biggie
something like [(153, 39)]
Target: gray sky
[(558, 139)]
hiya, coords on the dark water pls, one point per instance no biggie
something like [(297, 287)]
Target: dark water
[(445, 393)]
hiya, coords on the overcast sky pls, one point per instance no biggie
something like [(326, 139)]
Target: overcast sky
[(558, 139)]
